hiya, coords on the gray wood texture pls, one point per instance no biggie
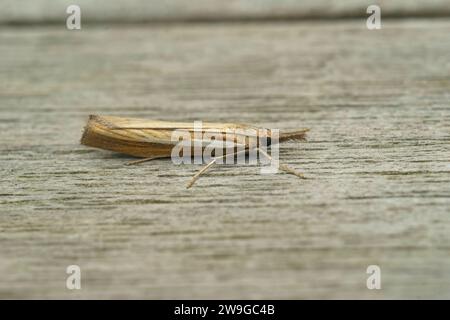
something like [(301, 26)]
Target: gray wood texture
[(132, 11), (377, 159)]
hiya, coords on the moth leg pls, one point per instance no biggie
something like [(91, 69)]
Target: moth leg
[(198, 174), (139, 161), (283, 166)]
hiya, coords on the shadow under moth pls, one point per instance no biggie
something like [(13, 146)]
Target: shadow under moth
[(151, 139)]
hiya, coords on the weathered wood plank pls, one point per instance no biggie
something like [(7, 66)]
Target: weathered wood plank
[(50, 11), (377, 159)]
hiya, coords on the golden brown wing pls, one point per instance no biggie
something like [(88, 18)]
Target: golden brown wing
[(150, 138)]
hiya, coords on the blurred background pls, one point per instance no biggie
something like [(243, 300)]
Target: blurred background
[(47, 11)]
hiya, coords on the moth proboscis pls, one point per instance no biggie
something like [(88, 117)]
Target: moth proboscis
[(152, 139)]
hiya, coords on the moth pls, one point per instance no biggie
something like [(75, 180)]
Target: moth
[(152, 139)]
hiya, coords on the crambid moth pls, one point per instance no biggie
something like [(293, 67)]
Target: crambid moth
[(151, 139)]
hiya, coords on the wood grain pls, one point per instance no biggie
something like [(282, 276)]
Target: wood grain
[(377, 103), (150, 11)]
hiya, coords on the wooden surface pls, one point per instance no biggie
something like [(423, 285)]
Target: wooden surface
[(132, 11), (378, 192)]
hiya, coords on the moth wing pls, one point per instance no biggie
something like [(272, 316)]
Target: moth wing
[(161, 132), (135, 123)]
